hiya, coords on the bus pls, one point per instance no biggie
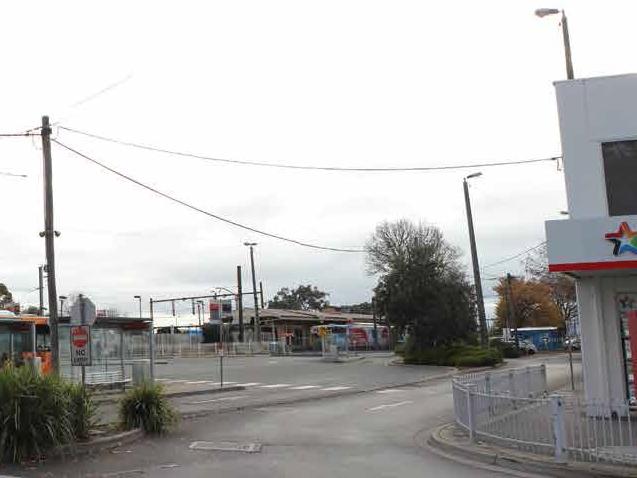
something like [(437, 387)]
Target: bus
[(25, 337), (355, 336)]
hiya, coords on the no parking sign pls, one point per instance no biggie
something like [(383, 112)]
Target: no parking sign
[(80, 345)]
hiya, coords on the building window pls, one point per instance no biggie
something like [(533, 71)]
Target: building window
[(620, 171)]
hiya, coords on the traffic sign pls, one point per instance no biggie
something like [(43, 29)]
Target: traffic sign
[(88, 312), (80, 345)]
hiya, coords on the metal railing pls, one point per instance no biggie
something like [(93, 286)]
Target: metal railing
[(513, 408)]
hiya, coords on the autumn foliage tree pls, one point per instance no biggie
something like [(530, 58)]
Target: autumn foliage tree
[(531, 304)]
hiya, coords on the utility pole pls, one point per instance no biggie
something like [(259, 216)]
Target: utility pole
[(151, 342), (375, 326), (261, 293), (257, 323), (49, 236), (240, 303), (482, 319), (41, 288), (511, 310)]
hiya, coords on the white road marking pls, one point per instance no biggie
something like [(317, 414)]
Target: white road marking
[(334, 389), (390, 390), (236, 397), (389, 405), (304, 387), (277, 385), (250, 384), (198, 382)]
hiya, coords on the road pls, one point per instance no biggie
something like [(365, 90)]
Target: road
[(371, 434)]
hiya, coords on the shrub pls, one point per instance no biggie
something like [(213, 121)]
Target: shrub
[(35, 413), (457, 356), (147, 407), (83, 410)]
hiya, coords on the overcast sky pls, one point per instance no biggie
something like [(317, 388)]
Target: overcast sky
[(333, 83)]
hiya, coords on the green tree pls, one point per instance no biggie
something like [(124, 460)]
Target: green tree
[(362, 308), (422, 287), (304, 297), (5, 296), (31, 310)]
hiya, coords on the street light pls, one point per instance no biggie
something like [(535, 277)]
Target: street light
[(254, 290), (139, 298), (62, 299), (482, 318), (543, 12)]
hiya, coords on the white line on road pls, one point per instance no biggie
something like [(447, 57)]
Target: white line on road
[(390, 390), (334, 389), (198, 382), (304, 387), (250, 384), (236, 397), (389, 405), (277, 385)]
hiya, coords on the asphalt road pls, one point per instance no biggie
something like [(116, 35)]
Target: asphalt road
[(371, 434)]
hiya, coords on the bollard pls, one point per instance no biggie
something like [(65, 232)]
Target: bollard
[(559, 429)]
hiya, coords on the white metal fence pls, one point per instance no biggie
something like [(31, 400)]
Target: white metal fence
[(190, 345), (513, 408)]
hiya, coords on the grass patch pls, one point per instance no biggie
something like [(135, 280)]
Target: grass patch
[(147, 407), (455, 356)]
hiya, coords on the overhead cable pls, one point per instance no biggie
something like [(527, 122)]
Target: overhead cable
[(311, 168), (520, 254), (195, 208)]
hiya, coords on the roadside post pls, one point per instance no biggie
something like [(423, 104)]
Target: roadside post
[(82, 317)]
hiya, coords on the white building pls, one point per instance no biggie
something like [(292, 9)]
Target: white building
[(597, 245)]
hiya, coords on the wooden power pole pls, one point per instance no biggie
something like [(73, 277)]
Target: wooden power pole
[(49, 236)]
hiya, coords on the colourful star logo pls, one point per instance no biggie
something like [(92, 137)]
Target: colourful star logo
[(624, 239)]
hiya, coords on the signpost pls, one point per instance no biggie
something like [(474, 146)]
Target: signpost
[(82, 313)]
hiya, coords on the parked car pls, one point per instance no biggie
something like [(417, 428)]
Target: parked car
[(525, 346), (575, 342)]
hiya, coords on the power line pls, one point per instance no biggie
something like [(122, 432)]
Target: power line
[(311, 168), (14, 135), (507, 259), (195, 208), (14, 175)]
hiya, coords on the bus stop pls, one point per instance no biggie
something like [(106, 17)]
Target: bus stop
[(119, 351)]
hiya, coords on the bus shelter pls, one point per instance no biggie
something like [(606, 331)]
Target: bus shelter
[(119, 347)]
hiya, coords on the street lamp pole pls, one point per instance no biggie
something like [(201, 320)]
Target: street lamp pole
[(257, 323), (482, 319), (543, 12), (62, 299), (139, 298)]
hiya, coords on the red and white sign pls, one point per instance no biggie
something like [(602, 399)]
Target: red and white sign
[(587, 246), (80, 345)]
